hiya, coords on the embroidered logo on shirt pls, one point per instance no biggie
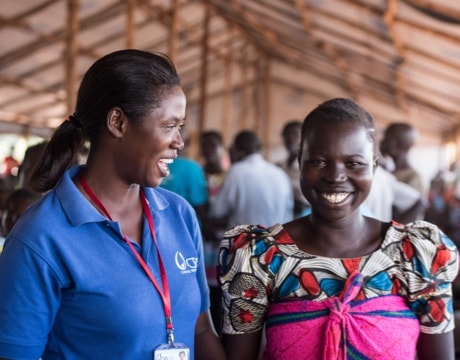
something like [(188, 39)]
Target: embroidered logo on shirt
[(186, 265)]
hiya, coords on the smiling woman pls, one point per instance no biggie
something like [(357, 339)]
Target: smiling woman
[(98, 275), (336, 284)]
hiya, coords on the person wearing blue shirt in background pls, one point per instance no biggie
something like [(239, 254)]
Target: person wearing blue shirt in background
[(186, 178)]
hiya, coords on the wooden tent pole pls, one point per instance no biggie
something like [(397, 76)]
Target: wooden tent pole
[(244, 93), (204, 74), (174, 30), (130, 24), (71, 52), (267, 100), (257, 93), (228, 92)]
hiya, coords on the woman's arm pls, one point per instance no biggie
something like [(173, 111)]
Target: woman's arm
[(242, 347), (436, 346), (207, 343)]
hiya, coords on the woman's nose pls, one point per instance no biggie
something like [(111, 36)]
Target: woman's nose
[(335, 173), (178, 141)]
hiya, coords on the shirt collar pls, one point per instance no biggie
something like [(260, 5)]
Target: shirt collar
[(79, 210)]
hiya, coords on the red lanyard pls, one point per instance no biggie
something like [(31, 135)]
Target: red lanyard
[(165, 295)]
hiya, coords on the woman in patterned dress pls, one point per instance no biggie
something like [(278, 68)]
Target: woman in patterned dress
[(336, 284)]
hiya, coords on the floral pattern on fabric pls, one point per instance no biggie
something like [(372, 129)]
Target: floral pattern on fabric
[(258, 266)]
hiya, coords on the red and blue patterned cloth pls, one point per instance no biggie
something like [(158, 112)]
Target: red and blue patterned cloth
[(315, 307)]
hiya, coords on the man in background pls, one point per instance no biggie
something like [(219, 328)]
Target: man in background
[(397, 142), (292, 137), (254, 191)]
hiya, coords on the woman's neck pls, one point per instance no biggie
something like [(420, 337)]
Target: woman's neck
[(120, 202), (346, 238)]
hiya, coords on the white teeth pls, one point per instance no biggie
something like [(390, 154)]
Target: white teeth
[(167, 161), (335, 197)]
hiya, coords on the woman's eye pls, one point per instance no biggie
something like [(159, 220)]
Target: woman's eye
[(175, 126), (355, 164), (317, 162)]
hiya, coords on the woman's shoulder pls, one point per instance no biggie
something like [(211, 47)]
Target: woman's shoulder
[(423, 245), (429, 263), (418, 232)]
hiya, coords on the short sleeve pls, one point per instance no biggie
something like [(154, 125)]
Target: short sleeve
[(29, 301), (243, 281), (430, 262), (405, 196)]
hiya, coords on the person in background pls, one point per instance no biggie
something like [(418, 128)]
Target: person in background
[(215, 166), (254, 190), (444, 211), (215, 162), (291, 141), (391, 199), (10, 164), (336, 284), (15, 205), (31, 158), (444, 205), (6, 188), (17, 202), (397, 141), (108, 264), (186, 178)]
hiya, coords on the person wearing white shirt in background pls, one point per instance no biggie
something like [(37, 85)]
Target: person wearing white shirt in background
[(398, 140), (391, 199), (254, 189)]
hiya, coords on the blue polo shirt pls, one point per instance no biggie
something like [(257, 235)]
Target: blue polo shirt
[(70, 288)]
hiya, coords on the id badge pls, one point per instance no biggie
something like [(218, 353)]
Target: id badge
[(176, 351)]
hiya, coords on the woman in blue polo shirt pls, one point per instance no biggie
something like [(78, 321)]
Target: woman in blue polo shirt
[(108, 265)]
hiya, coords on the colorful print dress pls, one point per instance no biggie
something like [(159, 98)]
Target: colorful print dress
[(314, 307)]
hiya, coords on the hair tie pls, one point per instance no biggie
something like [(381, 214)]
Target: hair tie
[(74, 121)]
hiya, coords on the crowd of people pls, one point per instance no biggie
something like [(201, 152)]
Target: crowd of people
[(134, 250)]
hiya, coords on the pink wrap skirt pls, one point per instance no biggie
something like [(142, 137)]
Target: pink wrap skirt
[(342, 328)]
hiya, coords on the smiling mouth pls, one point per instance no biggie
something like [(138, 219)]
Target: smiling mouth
[(335, 198), (166, 161), (164, 166)]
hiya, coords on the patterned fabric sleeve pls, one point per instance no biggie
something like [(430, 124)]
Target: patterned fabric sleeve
[(244, 283), (430, 262)]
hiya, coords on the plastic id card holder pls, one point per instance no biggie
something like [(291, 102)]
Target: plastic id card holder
[(177, 351)]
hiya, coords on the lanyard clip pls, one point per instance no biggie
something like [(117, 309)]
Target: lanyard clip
[(170, 331), (170, 336)]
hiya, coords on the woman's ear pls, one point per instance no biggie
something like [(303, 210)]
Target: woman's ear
[(116, 122)]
